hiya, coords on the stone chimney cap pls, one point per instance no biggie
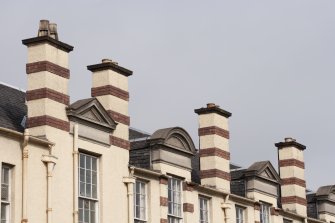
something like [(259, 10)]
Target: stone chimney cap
[(212, 108), (290, 142), (108, 64)]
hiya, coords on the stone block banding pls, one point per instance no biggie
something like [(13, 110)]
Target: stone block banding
[(122, 143), (214, 152), (163, 201), (110, 90), (187, 207), (213, 130), (163, 220), (47, 66), (47, 93), (294, 200), (293, 180), (49, 121), (292, 162), (118, 117), (214, 173)]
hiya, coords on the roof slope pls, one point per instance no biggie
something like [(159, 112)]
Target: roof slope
[(12, 108)]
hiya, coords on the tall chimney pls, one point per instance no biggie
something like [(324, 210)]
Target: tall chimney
[(292, 173), (214, 147), (48, 76), (110, 87)]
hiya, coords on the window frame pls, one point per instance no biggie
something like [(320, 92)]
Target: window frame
[(6, 203), (141, 219), (205, 200), (84, 199), (173, 217), (264, 212), (240, 210)]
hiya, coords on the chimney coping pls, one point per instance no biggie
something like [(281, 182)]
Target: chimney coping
[(110, 66), (212, 108), (293, 143), (47, 39)]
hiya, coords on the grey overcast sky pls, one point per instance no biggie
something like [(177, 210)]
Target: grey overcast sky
[(270, 63)]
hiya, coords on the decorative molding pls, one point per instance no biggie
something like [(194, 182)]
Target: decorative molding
[(47, 66), (49, 121), (213, 130), (118, 117), (214, 152), (48, 93), (214, 173), (110, 90)]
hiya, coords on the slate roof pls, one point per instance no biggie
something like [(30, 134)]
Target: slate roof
[(12, 108)]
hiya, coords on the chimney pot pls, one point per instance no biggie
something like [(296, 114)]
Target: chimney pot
[(289, 139), (53, 31), (109, 61), (211, 105), (43, 28)]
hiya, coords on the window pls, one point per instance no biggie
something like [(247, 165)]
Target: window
[(5, 193), (88, 186), (239, 214), (139, 202), (174, 200), (265, 213), (203, 207)]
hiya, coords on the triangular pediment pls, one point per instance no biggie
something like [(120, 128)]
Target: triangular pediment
[(91, 112), (263, 169), (267, 173)]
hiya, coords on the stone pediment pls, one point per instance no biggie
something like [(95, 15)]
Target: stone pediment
[(174, 138), (264, 170), (90, 112)]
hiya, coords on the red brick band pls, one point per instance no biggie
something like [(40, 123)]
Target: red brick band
[(187, 207), (163, 181), (122, 143), (48, 120), (47, 93), (213, 130), (292, 162), (163, 201), (294, 199), (163, 220), (293, 180), (187, 187), (118, 117), (214, 152), (274, 211), (257, 206), (214, 173), (110, 90), (257, 221), (47, 66)]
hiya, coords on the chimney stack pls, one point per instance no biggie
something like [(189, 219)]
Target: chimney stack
[(48, 75), (214, 147), (292, 173), (110, 87)]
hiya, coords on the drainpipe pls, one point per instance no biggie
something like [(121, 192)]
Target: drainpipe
[(75, 173), (226, 206), (25, 175), (130, 181), (50, 162)]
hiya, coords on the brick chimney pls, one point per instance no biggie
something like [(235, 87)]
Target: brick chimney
[(48, 75), (214, 147), (292, 173), (110, 87)]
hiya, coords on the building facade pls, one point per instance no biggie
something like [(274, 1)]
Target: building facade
[(81, 162)]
